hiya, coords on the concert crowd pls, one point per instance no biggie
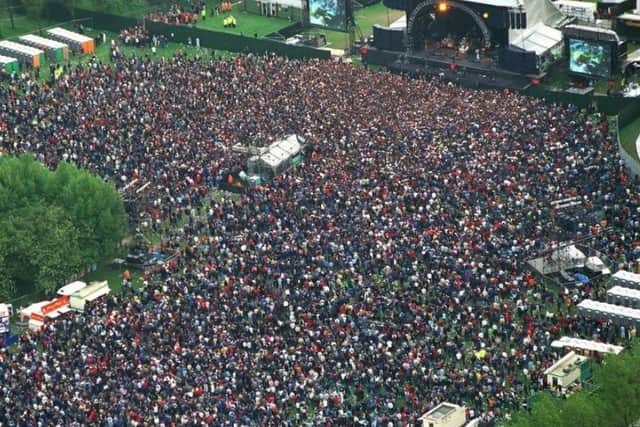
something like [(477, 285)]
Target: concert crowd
[(384, 275)]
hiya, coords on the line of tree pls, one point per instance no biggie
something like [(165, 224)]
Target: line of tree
[(612, 401), (53, 223)]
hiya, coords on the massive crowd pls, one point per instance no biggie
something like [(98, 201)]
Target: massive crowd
[(384, 275)]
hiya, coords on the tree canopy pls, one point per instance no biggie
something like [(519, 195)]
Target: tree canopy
[(613, 400), (53, 223)]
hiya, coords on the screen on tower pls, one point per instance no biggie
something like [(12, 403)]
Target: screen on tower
[(590, 58), (330, 14)]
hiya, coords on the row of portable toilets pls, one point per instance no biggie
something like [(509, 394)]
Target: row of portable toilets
[(34, 51), (622, 306)]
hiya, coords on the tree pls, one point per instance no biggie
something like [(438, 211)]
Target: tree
[(619, 387), (545, 411), (581, 410), (53, 223)]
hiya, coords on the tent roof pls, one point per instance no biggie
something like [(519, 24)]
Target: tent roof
[(540, 38), (52, 44), (71, 288), (7, 59), (33, 308), (582, 344)]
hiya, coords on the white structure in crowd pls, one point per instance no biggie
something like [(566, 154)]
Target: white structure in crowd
[(615, 313), (444, 415), (71, 288), (624, 296), (91, 293), (565, 371), (626, 279), (588, 346)]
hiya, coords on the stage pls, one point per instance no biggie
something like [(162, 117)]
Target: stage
[(466, 71)]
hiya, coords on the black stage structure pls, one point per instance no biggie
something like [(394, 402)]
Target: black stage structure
[(460, 40)]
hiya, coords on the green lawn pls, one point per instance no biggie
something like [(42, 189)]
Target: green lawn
[(248, 24), (377, 13), (113, 274), (365, 19), (628, 136), (22, 25)]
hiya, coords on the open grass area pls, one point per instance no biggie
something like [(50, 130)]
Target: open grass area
[(113, 274), (365, 18), (248, 24), (377, 13), (21, 25), (628, 136)]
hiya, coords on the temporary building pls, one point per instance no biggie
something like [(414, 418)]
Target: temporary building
[(56, 51), (539, 38), (624, 296), (24, 54), (76, 42), (626, 279), (9, 64), (444, 415), (6, 311), (617, 314), (582, 345), (566, 371), (71, 288), (91, 293), (47, 310), (582, 10), (277, 158)]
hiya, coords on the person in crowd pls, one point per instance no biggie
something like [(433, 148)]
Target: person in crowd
[(137, 36), (382, 276)]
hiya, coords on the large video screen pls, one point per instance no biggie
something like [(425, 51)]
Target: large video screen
[(590, 58), (330, 14)]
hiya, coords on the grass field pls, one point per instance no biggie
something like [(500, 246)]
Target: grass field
[(248, 24), (22, 25), (113, 275)]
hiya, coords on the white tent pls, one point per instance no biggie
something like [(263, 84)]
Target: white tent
[(538, 11), (33, 308), (540, 39), (277, 157)]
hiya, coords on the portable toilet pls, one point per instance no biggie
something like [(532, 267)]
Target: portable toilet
[(77, 42), (24, 54), (56, 51), (10, 65)]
